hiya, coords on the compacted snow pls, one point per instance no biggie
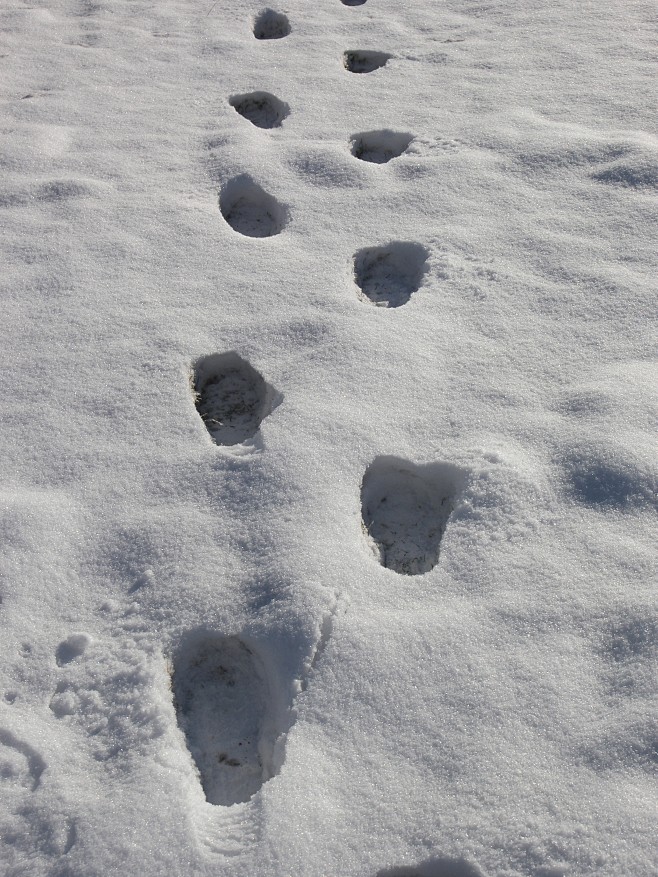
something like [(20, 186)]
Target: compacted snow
[(329, 392)]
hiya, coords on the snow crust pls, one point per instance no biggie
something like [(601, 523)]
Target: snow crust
[(180, 182)]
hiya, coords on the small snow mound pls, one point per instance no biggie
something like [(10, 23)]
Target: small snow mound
[(380, 147), (388, 276), (250, 210), (232, 398), (271, 25), (364, 61), (262, 109), (405, 510)]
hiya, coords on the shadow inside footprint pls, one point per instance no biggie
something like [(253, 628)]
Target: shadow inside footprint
[(271, 25), (405, 510), (441, 867), (262, 109), (380, 147), (352, 2), (388, 276), (232, 398), (250, 210), (222, 703), (363, 61)]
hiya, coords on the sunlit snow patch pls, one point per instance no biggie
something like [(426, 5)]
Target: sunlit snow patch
[(232, 398), (405, 509)]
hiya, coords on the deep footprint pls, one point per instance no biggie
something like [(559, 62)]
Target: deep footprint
[(232, 398), (380, 147), (271, 25), (221, 699), (388, 276), (363, 61), (262, 109), (405, 509), (250, 210)]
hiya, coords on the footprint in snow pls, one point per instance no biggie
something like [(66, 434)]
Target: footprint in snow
[(31, 831), (271, 25), (232, 398), (260, 108), (72, 647), (352, 2), (440, 867), (405, 510), (223, 705), (21, 765), (388, 276), (364, 61), (250, 210), (628, 647), (380, 147)]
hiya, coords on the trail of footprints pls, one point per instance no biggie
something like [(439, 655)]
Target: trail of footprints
[(219, 683)]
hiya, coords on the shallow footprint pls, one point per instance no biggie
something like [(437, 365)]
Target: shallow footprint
[(405, 510), (441, 867), (232, 398), (363, 61), (380, 147), (271, 25), (250, 210), (221, 698), (262, 109), (388, 276)]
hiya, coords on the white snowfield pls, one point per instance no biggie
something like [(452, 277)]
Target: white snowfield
[(328, 503)]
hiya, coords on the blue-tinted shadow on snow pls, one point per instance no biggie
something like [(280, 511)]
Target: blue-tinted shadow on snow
[(443, 866), (606, 483)]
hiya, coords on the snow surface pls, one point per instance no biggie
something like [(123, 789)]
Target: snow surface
[(181, 182)]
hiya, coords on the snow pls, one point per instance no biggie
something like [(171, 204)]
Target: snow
[(412, 570)]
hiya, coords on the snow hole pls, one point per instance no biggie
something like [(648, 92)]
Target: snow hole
[(379, 146), (388, 276), (222, 703), (405, 510), (250, 210), (232, 398), (352, 2), (260, 108), (362, 61), (271, 25)]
